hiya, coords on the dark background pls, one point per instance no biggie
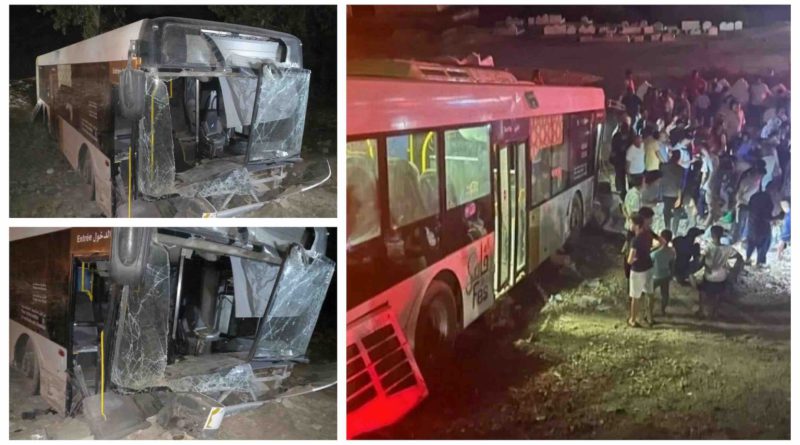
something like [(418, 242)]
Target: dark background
[(37, 30), (751, 15)]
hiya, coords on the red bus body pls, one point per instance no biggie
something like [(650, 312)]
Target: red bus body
[(523, 220)]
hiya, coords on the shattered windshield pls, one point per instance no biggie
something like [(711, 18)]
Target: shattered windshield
[(279, 116)]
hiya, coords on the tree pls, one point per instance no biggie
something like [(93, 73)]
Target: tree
[(93, 19), (315, 26)]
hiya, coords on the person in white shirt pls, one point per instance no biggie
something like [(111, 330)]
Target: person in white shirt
[(721, 85), (770, 157), (634, 157), (773, 124), (759, 92), (716, 257), (741, 91), (701, 105)]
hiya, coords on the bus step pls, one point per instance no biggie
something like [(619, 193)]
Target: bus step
[(85, 350), (85, 324)]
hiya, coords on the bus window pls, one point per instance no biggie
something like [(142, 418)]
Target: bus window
[(559, 168), (581, 142), (467, 164), (540, 175), (413, 182), (363, 217)]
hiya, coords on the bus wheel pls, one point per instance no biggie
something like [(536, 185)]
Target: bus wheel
[(435, 336), (29, 366), (575, 218), (86, 170)]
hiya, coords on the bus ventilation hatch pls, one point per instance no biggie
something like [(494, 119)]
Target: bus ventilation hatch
[(383, 380)]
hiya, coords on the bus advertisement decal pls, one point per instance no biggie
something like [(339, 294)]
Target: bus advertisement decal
[(478, 289)]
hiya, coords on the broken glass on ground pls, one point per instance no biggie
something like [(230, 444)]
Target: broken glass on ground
[(237, 379), (295, 303)]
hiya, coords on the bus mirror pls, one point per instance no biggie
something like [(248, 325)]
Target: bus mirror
[(132, 86), (130, 247)]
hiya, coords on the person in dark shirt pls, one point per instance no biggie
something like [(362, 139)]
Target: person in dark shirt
[(620, 142), (640, 282), (641, 265), (687, 255), (671, 181), (759, 226), (632, 102)]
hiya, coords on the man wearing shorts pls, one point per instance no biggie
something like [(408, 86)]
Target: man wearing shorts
[(641, 275)]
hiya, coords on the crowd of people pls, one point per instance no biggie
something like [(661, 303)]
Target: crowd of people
[(711, 161)]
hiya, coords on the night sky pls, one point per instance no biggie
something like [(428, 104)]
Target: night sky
[(670, 14)]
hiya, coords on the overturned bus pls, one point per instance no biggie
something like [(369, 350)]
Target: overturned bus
[(223, 314), (177, 117)]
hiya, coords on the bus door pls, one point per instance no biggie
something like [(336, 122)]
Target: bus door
[(510, 148), (87, 308)]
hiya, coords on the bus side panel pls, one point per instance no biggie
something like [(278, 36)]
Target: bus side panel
[(39, 306), (52, 365), (554, 219), (472, 267), (534, 243), (71, 141)]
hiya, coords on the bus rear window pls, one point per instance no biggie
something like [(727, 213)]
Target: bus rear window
[(413, 181), (467, 164), (363, 212)]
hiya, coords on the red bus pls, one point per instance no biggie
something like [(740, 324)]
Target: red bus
[(461, 181)]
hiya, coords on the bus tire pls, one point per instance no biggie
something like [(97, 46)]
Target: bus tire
[(85, 169), (28, 364), (435, 335)]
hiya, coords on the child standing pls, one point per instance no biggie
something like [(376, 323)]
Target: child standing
[(663, 266), (716, 273)]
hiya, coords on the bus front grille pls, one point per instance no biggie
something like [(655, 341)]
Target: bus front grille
[(382, 377)]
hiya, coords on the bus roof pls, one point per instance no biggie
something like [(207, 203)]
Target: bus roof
[(385, 104), (113, 45)]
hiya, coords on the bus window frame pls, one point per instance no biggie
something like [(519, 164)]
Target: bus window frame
[(381, 198), (595, 117), (490, 151)]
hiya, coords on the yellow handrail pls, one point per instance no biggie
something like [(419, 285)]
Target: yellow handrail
[(152, 130), (130, 180), (102, 378), (83, 282), (425, 143)]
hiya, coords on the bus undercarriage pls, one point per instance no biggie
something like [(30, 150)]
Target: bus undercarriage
[(198, 322)]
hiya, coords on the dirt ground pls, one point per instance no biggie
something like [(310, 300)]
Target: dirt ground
[(555, 360), (42, 183), (310, 416)]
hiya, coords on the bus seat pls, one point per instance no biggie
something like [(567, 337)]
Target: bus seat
[(212, 133), (362, 199), (405, 198), (429, 188), (452, 193)]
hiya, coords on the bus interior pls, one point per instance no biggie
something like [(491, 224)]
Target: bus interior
[(214, 114), (223, 312)]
